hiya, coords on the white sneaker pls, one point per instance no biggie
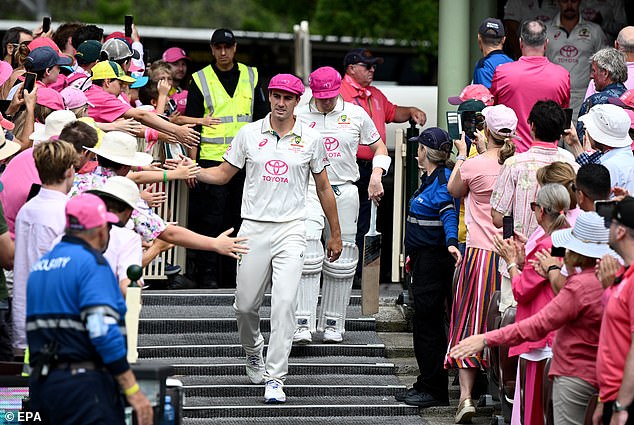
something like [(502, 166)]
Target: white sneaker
[(302, 336), (255, 368), (274, 392), (332, 335)]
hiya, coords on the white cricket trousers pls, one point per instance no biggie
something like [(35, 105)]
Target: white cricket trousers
[(276, 256)]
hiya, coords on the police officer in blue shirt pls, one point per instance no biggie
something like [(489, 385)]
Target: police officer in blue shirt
[(76, 330)]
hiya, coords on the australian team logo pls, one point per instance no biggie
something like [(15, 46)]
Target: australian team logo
[(332, 145), (296, 144), (343, 119), (276, 168)]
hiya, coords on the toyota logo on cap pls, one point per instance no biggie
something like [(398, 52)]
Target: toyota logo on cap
[(331, 143), (276, 167)]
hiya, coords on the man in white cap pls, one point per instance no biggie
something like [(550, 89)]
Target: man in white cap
[(40, 221), (607, 127), (343, 127), (279, 154)]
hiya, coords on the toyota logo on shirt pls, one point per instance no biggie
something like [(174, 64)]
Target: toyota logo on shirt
[(276, 168), (568, 51), (332, 145)]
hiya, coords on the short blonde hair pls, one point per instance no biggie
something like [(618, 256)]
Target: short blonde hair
[(160, 66), (53, 158)]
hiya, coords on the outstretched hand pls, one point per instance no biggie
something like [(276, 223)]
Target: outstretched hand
[(229, 246), (468, 347)]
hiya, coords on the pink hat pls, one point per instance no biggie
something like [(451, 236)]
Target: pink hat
[(325, 82), (87, 211), (119, 34), (174, 54), (475, 92), (5, 71), (45, 41), (74, 98), (500, 120), (625, 101), (5, 123), (288, 83), (50, 98)]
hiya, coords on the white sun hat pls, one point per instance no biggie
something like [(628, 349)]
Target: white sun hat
[(53, 125), (121, 188), (121, 148), (588, 237)]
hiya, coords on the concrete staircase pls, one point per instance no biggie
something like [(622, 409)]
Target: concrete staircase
[(348, 383)]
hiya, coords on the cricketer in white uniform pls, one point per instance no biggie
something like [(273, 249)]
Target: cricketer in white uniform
[(279, 154), (343, 126)]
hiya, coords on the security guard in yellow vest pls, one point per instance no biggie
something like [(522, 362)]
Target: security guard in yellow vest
[(230, 91)]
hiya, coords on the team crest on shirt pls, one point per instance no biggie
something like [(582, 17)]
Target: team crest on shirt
[(343, 120), (584, 33), (296, 144)]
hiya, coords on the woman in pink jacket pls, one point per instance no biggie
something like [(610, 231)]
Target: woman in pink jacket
[(576, 312), (532, 292)]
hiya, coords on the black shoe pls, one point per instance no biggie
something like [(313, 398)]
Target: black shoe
[(423, 399), (180, 282), (401, 397), (208, 282)]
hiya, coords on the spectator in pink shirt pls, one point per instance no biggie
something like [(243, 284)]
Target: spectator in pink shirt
[(478, 278), (576, 312), (532, 292), (533, 77)]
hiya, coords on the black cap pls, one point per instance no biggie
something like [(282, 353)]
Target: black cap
[(434, 138), (471, 105), (623, 212), (361, 55), (223, 36), (492, 27)]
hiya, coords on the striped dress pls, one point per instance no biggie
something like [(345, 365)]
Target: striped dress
[(478, 277)]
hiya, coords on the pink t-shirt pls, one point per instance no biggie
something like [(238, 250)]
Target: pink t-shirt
[(480, 174), (520, 84), (374, 102), (616, 337), (17, 179), (105, 106)]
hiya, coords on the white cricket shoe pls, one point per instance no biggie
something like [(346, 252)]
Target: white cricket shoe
[(332, 335), (274, 392), (302, 336), (255, 368)]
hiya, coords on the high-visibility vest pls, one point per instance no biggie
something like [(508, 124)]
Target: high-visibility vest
[(234, 112)]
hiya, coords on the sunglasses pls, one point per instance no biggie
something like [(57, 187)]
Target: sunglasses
[(367, 66)]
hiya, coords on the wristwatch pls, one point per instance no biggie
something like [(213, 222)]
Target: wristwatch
[(461, 158), (618, 407), (553, 267)]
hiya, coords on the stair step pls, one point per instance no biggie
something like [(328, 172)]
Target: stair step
[(252, 407), (295, 380), (213, 297), (235, 350), (174, 324), (215, 366), (294, 390), (348, 420), (223, 338)]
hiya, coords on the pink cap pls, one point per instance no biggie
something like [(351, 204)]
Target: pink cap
[(45, 41), (87, 211), (5, 123), (174, 54), (287, 82), (5, 71), (475, 92), (50, 98), (119, 34), (74, 98), (625, 101), (325, 82), (500, 120)]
